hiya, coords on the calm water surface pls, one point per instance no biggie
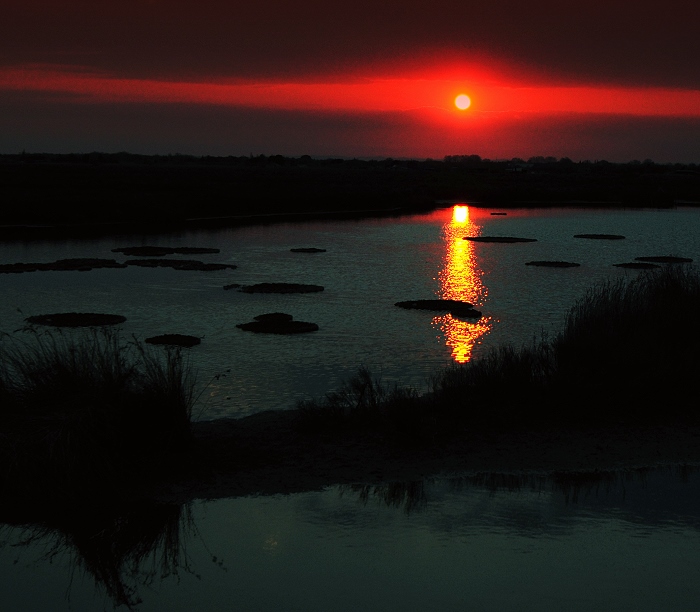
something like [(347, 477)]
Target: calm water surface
[(369, 265), (627, 542)]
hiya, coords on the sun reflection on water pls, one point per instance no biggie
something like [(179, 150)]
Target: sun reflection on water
[(461, 279)]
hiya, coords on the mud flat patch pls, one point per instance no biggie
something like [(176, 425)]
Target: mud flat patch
[(637, 265), (281, 288), (80, 264), (157, 251), (501, 239), (181, 340), (664, 259), (454, 307), (277, 323), (553, 264), (76, 319), (600, 236), (180, 264)]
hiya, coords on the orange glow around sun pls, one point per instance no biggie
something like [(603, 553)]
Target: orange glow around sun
[(356, 95), (462, 102), (460, 279)]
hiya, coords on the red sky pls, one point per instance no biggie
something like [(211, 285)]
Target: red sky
[(596, 80)]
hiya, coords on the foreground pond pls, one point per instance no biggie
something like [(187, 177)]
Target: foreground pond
[(623, 541)]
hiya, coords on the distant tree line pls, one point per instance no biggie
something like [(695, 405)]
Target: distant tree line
[(303, 160), (172, 191)]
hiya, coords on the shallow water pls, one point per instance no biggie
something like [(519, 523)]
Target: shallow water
[(622, 542), (369, 265)]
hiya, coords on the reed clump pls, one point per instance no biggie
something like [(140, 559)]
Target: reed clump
[(627, 353), (365, 401), (87, 411)]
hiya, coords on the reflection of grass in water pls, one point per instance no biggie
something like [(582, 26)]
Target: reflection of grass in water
[(122, 551), (410, 496), (628, 351), (85, 410), (414, 496)]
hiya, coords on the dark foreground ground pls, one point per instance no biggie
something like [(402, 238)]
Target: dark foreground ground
[(111, 193), (268, 454)]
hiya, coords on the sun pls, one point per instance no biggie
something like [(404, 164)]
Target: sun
[(462, 102)]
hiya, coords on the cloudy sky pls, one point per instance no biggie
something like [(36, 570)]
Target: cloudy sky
[(595, 80)]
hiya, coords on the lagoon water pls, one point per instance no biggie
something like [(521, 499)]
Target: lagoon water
[(624, 542), (627, 542), (367, 267)]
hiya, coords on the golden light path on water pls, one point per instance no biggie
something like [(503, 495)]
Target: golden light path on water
[(461, 279)]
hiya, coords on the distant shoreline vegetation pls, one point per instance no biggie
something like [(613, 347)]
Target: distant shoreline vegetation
[(122, 192)]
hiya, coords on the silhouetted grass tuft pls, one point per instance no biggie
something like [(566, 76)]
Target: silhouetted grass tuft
[(630, 346), (83, 410), (364, 402)]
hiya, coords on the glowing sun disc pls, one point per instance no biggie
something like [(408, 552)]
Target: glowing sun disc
[(462, 102), (460, 214)]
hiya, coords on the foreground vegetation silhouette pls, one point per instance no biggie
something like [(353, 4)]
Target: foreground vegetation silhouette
[(85, 412), (627, 353)]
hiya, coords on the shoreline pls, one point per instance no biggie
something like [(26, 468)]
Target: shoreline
[(268, 454), (91, 230), (60, 231), (164, 193)]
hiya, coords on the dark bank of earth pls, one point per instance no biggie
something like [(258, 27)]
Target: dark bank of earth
[(124, 193), (600, 236), (279, 288), (181, 340), (456, 308), (277, 323), (268, 453)]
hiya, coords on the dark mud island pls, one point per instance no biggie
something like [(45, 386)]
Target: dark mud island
[(91, 418), (277, 323)]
